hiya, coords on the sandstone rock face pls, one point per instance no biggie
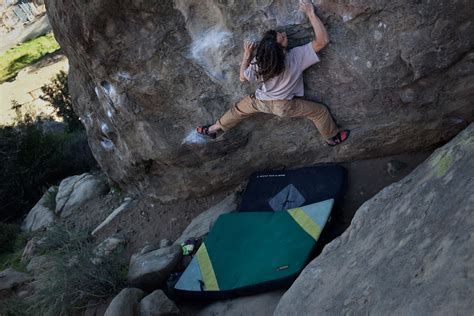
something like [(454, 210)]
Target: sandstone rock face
[(144, 74), (408, 251)]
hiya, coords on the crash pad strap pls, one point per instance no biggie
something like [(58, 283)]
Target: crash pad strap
[(207, 271), (308, 225)]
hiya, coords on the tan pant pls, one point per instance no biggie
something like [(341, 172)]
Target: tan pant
[(296, 107)]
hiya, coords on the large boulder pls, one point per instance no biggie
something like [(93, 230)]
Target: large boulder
[(75, 191), (42, 214), (107, 247), (144, 74), (125, 303), (157, 304), (150, 270), (408, 251), (261, 304)]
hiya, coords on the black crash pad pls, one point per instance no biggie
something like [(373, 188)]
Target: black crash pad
[(286, 189)]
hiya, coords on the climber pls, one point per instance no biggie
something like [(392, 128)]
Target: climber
[(280, 72)]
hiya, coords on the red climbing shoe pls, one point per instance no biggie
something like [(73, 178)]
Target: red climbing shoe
[(204, 130), (339, 138)]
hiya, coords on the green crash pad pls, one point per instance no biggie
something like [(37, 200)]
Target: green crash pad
[(244, 251)]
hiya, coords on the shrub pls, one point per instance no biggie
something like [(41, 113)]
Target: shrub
[(51, 197), (13, 307), (57, 95), (12, 243), (32, 160), (74, 279), (8, 233), (59, 237)]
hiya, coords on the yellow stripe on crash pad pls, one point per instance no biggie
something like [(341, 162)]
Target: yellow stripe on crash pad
[(305, 222), (207, 271)]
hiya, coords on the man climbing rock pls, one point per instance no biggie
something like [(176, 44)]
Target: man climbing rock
[(280, 72)]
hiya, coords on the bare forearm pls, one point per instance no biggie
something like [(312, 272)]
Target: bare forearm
[(322, 37), (244, 65)]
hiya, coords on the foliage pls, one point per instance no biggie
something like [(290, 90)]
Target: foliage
[(8, 233), (116, 190), (12, 242), (13, 307), (57, 94), (59, 237), (13, 260), (51, 197), (75, 279), (20, 56), (32, 159)]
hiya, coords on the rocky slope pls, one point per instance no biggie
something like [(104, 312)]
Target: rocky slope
[(409, 250), (143, 74)]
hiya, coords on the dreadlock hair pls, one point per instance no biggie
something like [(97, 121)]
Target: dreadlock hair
[(269, 57)]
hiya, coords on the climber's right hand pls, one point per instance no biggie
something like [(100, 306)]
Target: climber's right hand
[(249, 46)]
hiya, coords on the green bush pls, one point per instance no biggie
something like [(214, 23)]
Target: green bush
[(12, 243), (32, 160), (13, 307), (51, 197), (74, 279), (8, 233), (57, 95), (58, 237)]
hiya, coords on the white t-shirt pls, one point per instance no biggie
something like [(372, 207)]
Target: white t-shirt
[(289, 83)]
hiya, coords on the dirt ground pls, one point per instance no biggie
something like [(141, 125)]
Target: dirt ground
[(146, 224), (150, 222)]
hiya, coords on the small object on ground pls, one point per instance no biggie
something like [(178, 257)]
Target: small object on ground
[(189, 246), (204, 130), (339, 138), (187, 249)]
